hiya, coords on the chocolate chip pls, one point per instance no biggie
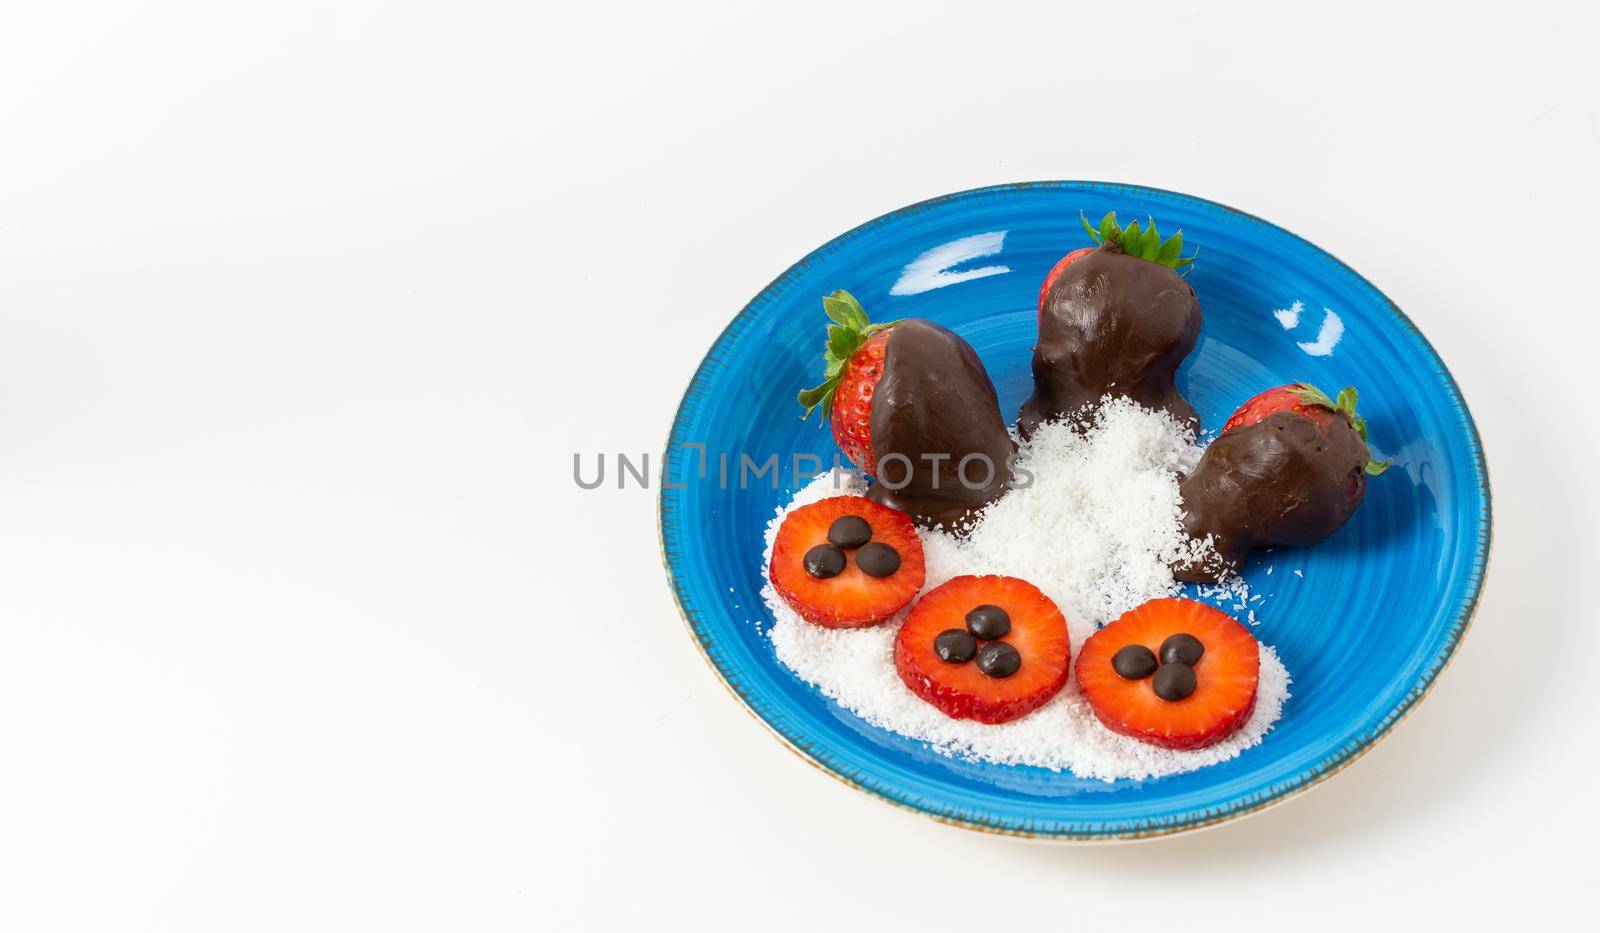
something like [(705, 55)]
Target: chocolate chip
[(954, 646), (824, 561), (988, 622), (1173, 681), (878, 559), (849, 532), (998, 659), (1134, 662), (1182, 648)]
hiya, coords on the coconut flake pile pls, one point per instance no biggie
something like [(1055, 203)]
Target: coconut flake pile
[(1097, 531)]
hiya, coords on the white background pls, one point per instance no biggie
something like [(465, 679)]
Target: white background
[(305, 625)]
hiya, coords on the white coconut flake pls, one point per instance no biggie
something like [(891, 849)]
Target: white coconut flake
[(1097, 531)]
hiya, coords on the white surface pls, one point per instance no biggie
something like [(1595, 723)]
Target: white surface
[(305, 310)]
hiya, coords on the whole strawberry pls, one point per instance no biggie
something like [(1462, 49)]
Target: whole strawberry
[(912, 406), (1289, 467), (1114, 319)]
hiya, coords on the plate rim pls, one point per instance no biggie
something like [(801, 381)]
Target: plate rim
[(1340, 759)]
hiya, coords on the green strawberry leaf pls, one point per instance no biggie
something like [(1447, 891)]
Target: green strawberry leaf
[(843, 308), (1108, 227), (1139, 242), (1311, 395), (850, 330), (842, 342), (1130, 239), (1374, 468), (809, 399), (1168, 254), (1094, 234)]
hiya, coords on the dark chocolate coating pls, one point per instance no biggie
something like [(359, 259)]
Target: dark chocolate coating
[(878, 560), (1112, 325), (1283, 480), (955, 646), (1182, 648), (824, 561), (935, 398), (849, 532), (989, 622), (1134, 662), (1174, 682), (999, 660)]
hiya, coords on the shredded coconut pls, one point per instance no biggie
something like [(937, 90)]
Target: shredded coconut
[(1097, 531)]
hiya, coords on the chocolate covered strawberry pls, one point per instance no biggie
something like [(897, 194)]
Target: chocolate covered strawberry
[(1115, 319), (1172, 672), (988, 648), (911, 405), (1289, 468), (846, 562)]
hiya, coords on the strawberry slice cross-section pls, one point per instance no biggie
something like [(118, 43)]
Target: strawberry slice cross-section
[(988, 648), (1168, 689), (847, 562)]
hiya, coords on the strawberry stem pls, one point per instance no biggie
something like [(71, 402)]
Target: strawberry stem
[(1139, 243), (849, 330)]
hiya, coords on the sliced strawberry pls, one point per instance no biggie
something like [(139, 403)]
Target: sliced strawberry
[(1224, 677), (854, 597), (962, 690)]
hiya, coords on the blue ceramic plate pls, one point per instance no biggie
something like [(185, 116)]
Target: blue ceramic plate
[(1380, 609)]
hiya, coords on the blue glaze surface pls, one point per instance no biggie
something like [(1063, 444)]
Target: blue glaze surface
[(1381, 606)]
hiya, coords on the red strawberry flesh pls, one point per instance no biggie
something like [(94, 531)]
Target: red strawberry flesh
[(851, 416)]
